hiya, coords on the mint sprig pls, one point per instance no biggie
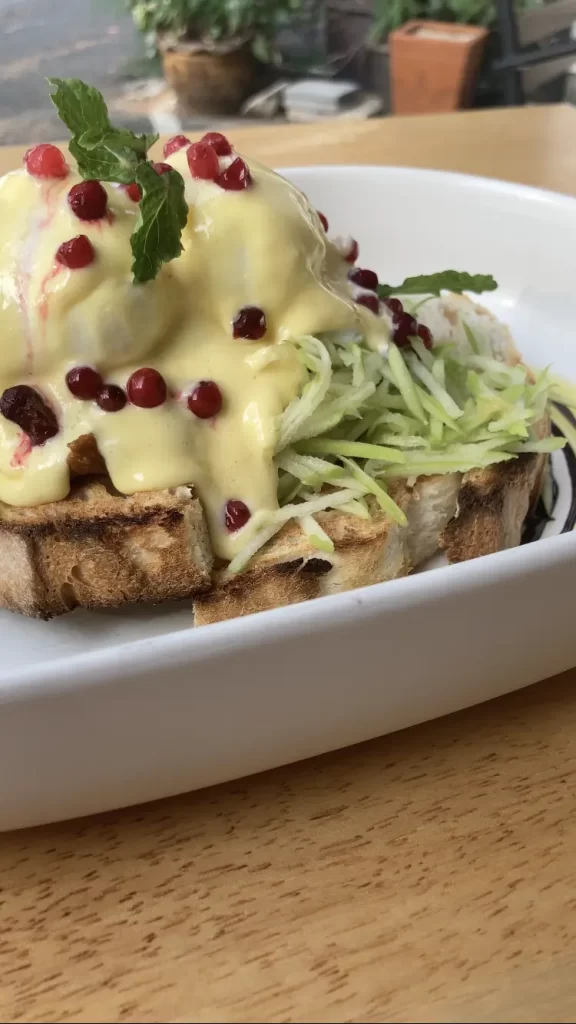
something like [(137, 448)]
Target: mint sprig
[(106, 153), (447, 280), (163, 216)]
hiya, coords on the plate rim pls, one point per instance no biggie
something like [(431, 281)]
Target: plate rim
[(477, 180)]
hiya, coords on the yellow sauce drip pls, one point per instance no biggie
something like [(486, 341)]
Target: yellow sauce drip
[(263, 246)]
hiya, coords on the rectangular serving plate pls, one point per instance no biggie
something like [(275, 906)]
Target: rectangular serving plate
[(105, 709)]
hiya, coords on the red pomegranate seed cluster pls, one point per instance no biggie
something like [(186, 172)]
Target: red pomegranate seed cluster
[(26, 407), (250, 323), (76, 253), (204, 163), (405, 326), (368, 280), (85, 383), (145, 388), (46, 161)]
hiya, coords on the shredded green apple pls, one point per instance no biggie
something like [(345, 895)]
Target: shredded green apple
[(365, 419)]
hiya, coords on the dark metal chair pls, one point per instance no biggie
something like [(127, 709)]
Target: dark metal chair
[(515, 58)]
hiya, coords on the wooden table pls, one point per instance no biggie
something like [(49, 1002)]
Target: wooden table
[(426, 876)]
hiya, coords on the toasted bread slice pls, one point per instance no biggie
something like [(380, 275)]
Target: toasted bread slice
[(465, 517), (99, 549), (492, 507), (289, 569)]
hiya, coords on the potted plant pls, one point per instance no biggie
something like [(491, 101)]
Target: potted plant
[(211, 49), (434, 64)]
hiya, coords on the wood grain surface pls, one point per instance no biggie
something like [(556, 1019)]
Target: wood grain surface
[(427, 876)]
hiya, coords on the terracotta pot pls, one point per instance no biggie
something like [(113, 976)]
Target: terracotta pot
[(433, 66), (208, 81)]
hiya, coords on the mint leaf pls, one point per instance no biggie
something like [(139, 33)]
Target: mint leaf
[(139, 144), (80, 106), (117, 154), (100, 150), (106, 155), (163, 216), (447, 280)]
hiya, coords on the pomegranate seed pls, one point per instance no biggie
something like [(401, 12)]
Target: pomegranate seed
[(353, 252), (162, 168), (218, 142), (236, 177), (395, 307), (203, 161), (323, 220), (88, 200), (205, 401), (364, 278), (134, 191), (174, 144), (146, 388), (371, 301), (249, 322), (46, 161), (25, 407), (111, 398), (84, 382), (425, 334), (236, 515), (406, 327), (76, 253)]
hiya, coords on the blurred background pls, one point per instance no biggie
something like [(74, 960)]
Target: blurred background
[(172, 64)]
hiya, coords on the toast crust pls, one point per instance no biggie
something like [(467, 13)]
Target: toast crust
[(99, 549)]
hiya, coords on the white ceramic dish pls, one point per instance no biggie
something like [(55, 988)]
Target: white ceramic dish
[(104, 709)]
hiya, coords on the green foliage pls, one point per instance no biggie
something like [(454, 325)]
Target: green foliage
[(447, 280), (390, 14), (214, 20)]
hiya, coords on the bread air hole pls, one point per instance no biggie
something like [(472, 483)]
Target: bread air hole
[(68, 596)]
